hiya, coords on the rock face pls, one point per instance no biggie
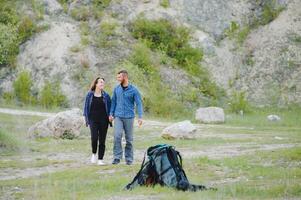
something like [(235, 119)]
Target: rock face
[(210, 115), (180, 130), (265, 65), (67, 122), (273, 118)]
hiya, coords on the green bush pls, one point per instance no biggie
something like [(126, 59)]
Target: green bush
[(232, 29), (269, 13), (8, 14), (84, 12), (52, 96), (164, 3), (141, 57), (22, 88), (8, 97), (101, 4), (235, 32), (15, 29), (26, 29), (81, 13), (164, 36), (106, 33), (64, 4), (67, 135), (238, 102), (84, 32), (9, 44)]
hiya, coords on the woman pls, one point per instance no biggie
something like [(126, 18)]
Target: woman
[(96, 112)]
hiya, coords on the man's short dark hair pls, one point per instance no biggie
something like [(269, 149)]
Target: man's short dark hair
[(123, 72)]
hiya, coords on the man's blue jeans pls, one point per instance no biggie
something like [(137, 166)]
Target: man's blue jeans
[(126, 125)]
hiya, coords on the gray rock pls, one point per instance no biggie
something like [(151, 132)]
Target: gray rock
[(66, 122), (273, 118), (210, 115), (180, 130)]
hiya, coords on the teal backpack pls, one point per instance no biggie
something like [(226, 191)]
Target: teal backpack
[(164, 167)]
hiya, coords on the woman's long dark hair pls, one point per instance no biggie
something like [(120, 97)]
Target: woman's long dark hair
[(93, 84)]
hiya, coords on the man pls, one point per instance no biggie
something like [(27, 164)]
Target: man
[(122, 111)]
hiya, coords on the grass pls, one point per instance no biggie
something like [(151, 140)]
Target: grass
[(19, 164), (273, 174), (8, 143), (258, 118)]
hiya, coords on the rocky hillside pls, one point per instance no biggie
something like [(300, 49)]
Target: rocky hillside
[(236, 46)]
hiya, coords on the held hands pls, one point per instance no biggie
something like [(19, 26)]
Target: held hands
[(111, 118)]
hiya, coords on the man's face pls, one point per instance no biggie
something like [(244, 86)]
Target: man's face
[(120, 78)]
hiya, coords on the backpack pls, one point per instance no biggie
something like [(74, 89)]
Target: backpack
[(164, 167)]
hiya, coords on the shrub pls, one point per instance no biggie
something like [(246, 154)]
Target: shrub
[(81, 13), (26, 29), (22, 87), (15, 29), (238, 102), (164, 36), (67, 135), (269, 13), (8, 14), (9, 45), (101, 4), (106, 34), (235, 32), (51, 95), (232, 29), (141, 57), (164, 3), (84, 32), (8, 97)]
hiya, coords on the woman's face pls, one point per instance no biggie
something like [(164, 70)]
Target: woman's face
[(100, 84)]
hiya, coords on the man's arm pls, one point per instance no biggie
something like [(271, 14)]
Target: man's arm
[(113, 104), (139, 105)]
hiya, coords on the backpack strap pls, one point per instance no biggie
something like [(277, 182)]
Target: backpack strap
[(128, 187)]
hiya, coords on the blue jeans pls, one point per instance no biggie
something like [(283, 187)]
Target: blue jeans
[(126, 125)]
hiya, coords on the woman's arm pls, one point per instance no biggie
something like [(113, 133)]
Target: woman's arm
[(85, 113)]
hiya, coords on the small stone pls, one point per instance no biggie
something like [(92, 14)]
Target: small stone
[(273, 118)]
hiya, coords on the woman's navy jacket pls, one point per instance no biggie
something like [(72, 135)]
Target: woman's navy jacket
[(88, 102)]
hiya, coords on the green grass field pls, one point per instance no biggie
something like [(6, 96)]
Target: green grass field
[(246, 158)]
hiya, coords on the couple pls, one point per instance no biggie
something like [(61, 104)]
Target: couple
[(100, 111)]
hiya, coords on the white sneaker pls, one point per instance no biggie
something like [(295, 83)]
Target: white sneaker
[(93, 158), (100, 162)]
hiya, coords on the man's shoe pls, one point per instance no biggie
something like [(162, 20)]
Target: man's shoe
[(93, 158), (128, 162), (100, 162), (116, 161)]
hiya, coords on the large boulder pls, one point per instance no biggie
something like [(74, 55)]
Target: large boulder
[(62, 125), (180, 130), (210, 115)]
